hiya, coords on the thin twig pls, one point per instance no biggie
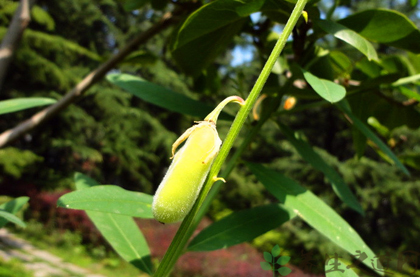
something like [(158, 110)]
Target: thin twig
[(40, 117), (10, 42)]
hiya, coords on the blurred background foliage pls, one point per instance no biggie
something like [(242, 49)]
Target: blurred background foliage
[(119, 139)]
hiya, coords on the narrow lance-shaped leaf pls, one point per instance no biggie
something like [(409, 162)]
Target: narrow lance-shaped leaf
[(162, 97), (385, 26), (312, 210), (121, 231), (123, 234), (109, 199), (368, 133), (328, 90), (240, 227), (13, 206), (407, 80), (18, 104), (349, 36), (12, 218), (338, 184), (409, 93)]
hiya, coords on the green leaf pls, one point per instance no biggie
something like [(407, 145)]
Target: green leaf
[(328, 90), (349, 36), (368, 133), (407, 80), (123, 234), (121, 231), (409, 93), (385, 26), (161, 96), (283, 260), (268, 257), (381, 129), (83, 182), (240, 227), (312, 210), (42, 17), (265, 266), (340, 63), (276, 250), (13, 206), (411, 159), (18, 104), (109, 199), (208, 31), (12, 218), (338, 184), (284, 271)]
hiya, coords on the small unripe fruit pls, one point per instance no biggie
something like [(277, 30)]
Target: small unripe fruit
[(180, 187)]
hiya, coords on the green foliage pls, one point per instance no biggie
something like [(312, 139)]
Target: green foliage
[(16, 162), (208, 31), (109, 199), (12, 207), (366, 63), (339, 186), (240, 227), (41, 16), (322, 218), (120, 230), (13, 268), (349, 36)]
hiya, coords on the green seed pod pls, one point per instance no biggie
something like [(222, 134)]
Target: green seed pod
[(180, 187), (182, 183)]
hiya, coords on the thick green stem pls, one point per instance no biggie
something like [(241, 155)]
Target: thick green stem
[(185, 230)]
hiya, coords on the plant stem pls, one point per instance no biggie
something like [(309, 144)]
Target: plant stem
[(186, 228)]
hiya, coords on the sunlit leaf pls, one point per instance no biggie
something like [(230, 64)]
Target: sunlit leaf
[(123, 234), (12, 218), (12, 206), (328, 90), (349, 36), (338, 184), (18, 104), (312, 210), (121, 231), (385, 26), (409, 93), (109, 199)]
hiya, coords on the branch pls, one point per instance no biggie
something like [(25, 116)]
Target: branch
[(10, 42), (42, 116)]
